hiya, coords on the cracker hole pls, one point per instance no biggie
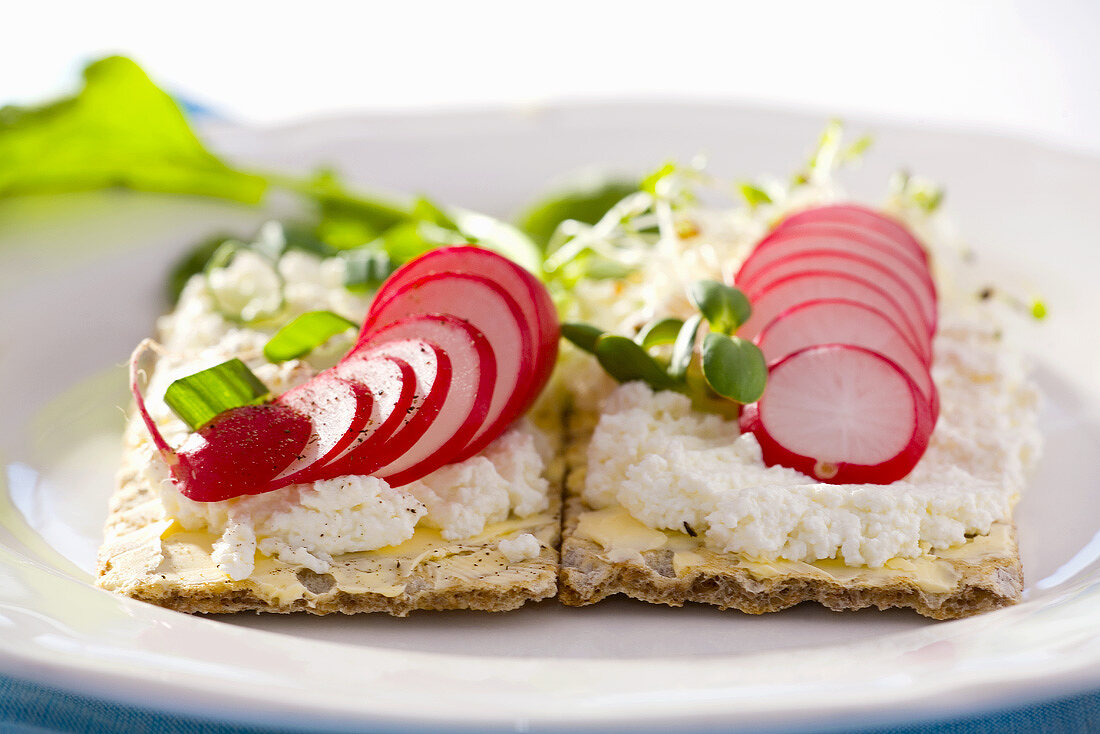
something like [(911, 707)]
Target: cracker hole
[(318, 583)]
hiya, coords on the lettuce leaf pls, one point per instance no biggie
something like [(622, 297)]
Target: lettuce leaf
[(120, 130)]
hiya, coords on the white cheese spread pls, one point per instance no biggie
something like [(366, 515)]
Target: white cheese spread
[(524, 547), (674, 468)]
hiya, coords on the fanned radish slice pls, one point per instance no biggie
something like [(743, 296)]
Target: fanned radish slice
[(859, 217), (841, 414), (235, 454), (836, 321), (490, 310), (791, 242), (529, 293), (892, 280), (392, 382), (795, 289), (338, 410), (240, 451), (418, 449)]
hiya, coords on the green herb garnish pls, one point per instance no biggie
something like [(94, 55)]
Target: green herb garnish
[(914, 191), (304, 334), (725, 308), (725, 369), (754, 195), (586, 202), (199, 398), (658, 332)]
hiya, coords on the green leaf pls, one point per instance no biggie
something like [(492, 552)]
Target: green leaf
[(203, 396), (119, 130), (582, 335), (626, 361), (366, 269), (304, 334), (661, 331), (684, 347), (586, 202), (724, 307), (427, 210), (856, 150), (734, 368), (754, 195)]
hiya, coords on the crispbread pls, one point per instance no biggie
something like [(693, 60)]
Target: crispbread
[(147, 556), (981, 575)]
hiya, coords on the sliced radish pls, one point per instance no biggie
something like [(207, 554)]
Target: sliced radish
[(836, 321), (490, 310), (811, 286), (891, 279), (782, 244), (338, 409), (862, 218), (392, 382), (841, 414), (235, 454), (422, 446), (529, 293)]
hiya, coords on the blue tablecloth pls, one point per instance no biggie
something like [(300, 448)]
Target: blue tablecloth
[(27, 708)]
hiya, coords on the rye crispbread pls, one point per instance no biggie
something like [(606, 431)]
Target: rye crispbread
[(146, 556), (981, 575)]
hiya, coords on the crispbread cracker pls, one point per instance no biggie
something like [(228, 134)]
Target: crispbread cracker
[(981, 575), (147, 556)]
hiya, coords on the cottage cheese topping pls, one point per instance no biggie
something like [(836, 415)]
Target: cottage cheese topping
[(520, 548), (673, 468), (309, 524)]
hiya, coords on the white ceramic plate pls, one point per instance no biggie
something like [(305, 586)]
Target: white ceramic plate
[(79, 285)]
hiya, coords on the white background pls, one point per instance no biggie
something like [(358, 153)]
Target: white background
[(1030, 68)]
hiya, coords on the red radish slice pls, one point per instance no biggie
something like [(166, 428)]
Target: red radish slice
[(489, 309), (835, 321), (843, 262), (782, 244), (795, 289), (235, 454), (339, 411), (420, 448), (841, 414), (529, 293), (860, 217), (392, 382)]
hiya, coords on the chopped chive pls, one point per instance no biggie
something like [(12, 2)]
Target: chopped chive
[(199, 398), (754, 195), (304, 334)]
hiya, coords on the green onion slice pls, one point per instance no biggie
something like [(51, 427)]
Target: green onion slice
[(201, 397), (304, 334), (734, 368)]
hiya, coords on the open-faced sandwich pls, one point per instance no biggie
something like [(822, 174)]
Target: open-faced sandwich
[(379, 452), (804, 408)]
